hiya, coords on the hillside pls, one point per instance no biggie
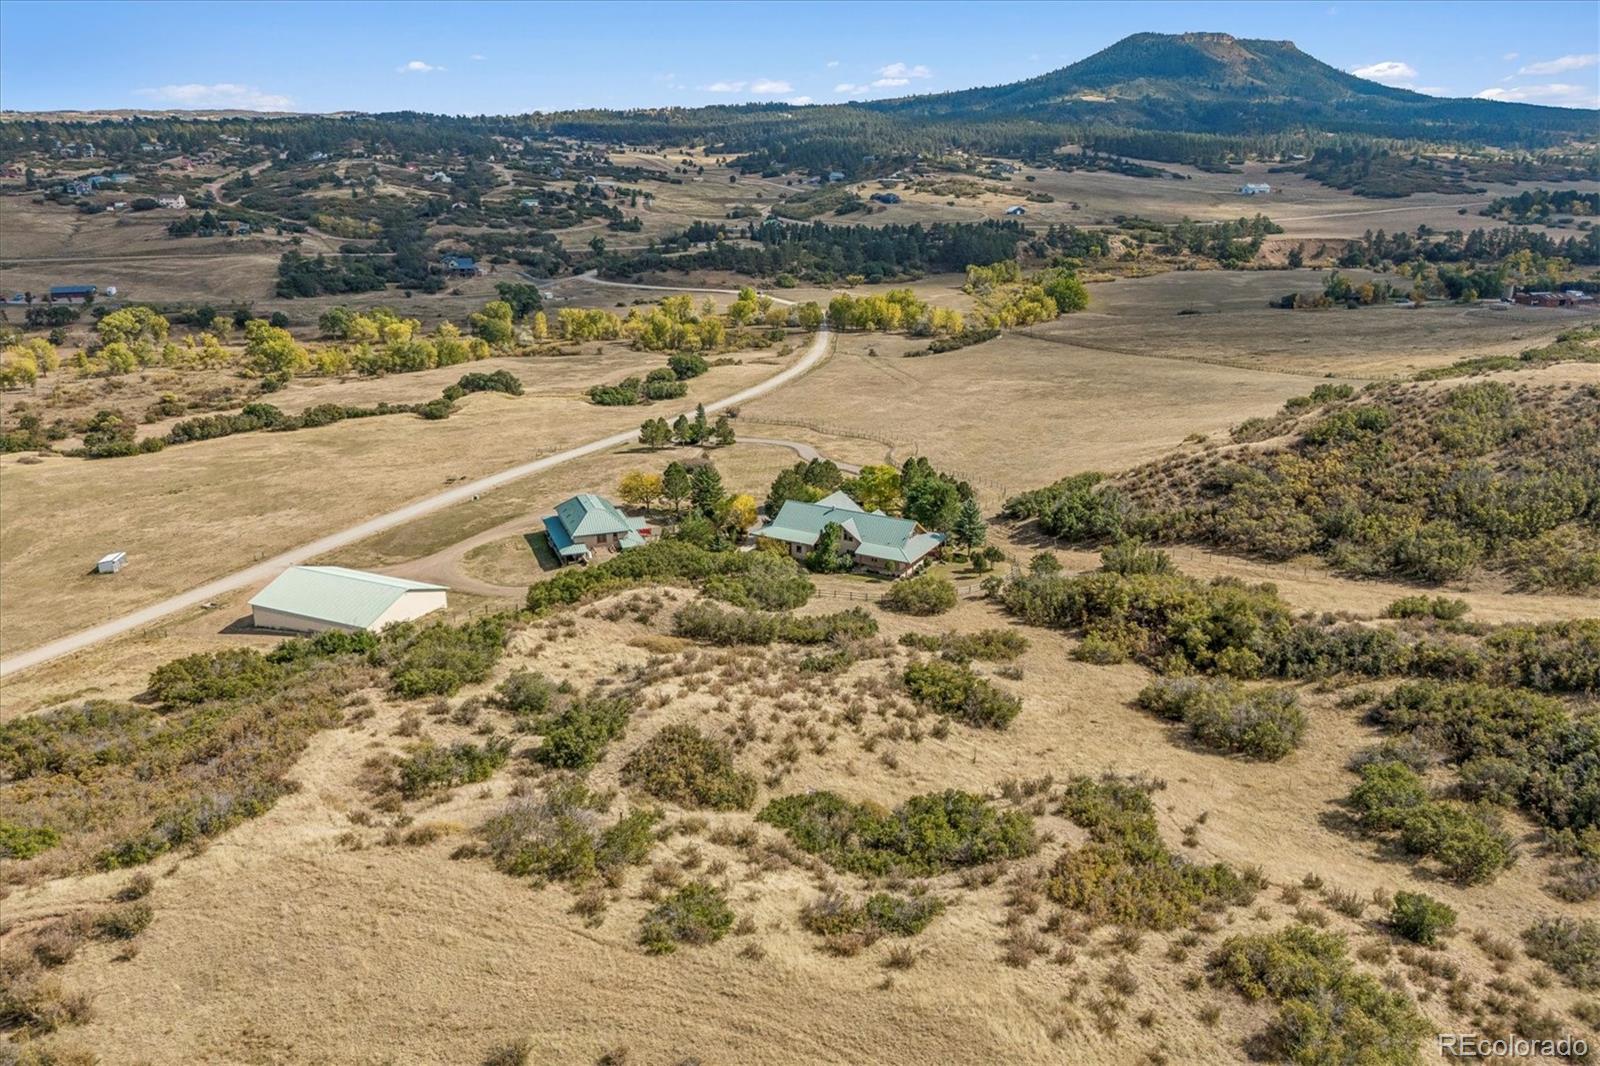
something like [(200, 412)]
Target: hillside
[(1215, 83)]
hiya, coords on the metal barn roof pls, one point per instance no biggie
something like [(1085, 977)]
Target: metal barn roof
[(335, 594)]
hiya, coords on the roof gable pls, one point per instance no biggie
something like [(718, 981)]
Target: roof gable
[(336, 594), (588, 515), (881, 536)]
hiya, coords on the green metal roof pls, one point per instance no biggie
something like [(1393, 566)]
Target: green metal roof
[(335, 594), (588, 515), (881, 536), (559, 540)]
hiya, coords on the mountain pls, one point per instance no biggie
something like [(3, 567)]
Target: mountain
[(1215, 83)]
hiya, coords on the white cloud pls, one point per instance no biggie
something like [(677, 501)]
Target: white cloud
[(770, 87), (221, 96), (1509, 56), (899, 73), (890, 83), (1389, 72), (801, 101), (832, 63), (846, 87), (417, 66), (725, 87), (476, 58), (1555, 93), (1562, 65)]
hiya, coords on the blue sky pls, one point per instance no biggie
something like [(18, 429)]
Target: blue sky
[(501, 58)]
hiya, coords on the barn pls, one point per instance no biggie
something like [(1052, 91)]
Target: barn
[(310, 599)]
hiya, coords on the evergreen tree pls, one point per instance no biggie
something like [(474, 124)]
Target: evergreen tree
[(675, 485), (705, 490), (969, 530), (655, 433)]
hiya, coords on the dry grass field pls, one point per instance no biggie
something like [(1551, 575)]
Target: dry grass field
[(348, 923), (203, 510), (314, 933)]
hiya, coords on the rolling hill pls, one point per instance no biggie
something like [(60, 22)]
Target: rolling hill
[(1215, 83)]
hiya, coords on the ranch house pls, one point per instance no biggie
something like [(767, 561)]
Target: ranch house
[(586, 522), (876, 542)]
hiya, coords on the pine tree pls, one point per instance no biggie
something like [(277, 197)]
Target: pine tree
[(675, 485), (706, 491), (969, 530)]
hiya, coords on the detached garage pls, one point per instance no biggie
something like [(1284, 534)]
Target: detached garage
[(310, 599)]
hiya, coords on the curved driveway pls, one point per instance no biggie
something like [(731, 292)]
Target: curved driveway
[(458, 494)]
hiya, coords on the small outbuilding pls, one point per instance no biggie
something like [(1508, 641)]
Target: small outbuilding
[(112, 563), (311, 599)]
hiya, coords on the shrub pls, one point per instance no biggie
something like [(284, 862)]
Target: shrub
[(576, 736), (560, 836), (1387, 794), (881, 914), (995, 645), (525, 693), (1507, 741), (953, 689), (1440, 607), (1126, 874), (25, 841), (925, 835), (1262, 723), (124, 922), (1420, 918), (219, 675), (696, 914), (516, 1053), (683, 766), (664, 562), (438, 658), (1570, 946), (769, 582), (923, 594), (498, 381), (1327, 1011), (1468, 844), (431, 769), (707, 622)]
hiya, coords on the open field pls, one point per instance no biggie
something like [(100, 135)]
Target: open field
[(182, 517), (344, 919), (306, 934)]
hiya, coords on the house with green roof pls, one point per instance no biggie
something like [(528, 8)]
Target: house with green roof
[(311, 599), (586, 522), (878, 543)]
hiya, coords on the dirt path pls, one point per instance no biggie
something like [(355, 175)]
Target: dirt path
[(461, 493)]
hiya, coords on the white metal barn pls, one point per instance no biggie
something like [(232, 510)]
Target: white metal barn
[(310, 599)]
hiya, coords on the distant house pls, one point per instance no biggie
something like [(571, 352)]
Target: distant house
[(461, 266), (1566, 298), (1016, 209), (311, 599), (176, 203), (528, 202), (585, 522), (1255, 189), (886, 197), (441, 177), (72, 294), (835, 175), (77, 188), (877, 542), (111, 564)]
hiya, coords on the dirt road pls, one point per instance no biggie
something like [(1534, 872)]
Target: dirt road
[(458, 494)]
